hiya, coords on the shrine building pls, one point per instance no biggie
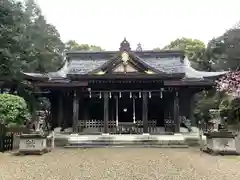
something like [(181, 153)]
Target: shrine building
[(124, 91)]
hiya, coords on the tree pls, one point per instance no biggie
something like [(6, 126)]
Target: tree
[(74, 46), (194, 49), (27, 43), (11, 29), (206, 100), (42, 40), (225, 49), (13, 109)]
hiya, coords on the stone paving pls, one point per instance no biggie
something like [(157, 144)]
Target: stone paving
[(120, 164)]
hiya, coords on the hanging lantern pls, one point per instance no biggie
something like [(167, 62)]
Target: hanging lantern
[(161, 93), (90, 93), (120, 94), (100, 95), (130, 94), (140, 95), (110, 95), (149, 94)]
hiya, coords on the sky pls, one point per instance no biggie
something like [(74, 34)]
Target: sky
[(153, 23)]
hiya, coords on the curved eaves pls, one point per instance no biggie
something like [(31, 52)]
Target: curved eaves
[(61, 73), (192, 73)]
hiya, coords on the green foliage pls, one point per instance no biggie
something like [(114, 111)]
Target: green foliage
[(230, 108), (221, 53), (42, 41), (13, 109), (74, 46), (29, 44), (206, 100), (11, 34), (193, 48), (224, 50), (43, 104), (195, 51)]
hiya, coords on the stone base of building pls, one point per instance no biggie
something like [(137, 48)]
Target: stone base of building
[(141, 140)]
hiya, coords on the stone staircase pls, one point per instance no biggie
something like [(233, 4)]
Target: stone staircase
[(141, 140)]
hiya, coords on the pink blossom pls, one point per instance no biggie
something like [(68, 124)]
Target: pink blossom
[(229, 83)]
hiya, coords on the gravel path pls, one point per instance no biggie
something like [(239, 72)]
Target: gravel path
[(119, 164)]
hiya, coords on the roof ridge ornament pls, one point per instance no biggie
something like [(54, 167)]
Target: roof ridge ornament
[(125, 45), (139, 47)]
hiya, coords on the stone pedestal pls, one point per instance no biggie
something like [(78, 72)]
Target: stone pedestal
[(35, 143), (223, 143)]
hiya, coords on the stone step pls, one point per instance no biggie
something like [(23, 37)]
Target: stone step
[(144, 140), (126, 146)]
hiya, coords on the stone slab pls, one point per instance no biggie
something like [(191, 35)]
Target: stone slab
[(127, 140), (223, 146), (126, 146), (237, 143), (32, 143)]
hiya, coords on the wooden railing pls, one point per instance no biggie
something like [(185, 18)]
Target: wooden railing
[(97, 126), (169, 125), (10, 137)]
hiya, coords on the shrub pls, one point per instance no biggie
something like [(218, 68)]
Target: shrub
[(13, 109), (231, 110)]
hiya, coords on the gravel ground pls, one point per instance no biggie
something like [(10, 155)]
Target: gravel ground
[(119, 164)]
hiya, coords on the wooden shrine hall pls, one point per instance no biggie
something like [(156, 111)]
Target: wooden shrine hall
[(123, 91)]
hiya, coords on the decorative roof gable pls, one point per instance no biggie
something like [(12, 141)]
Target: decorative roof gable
[(121, 68), (126, 62)]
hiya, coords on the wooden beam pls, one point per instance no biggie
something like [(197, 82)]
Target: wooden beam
[(55, 84), (124, 76), (189, 83)]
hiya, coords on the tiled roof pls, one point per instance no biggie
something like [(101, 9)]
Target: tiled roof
[(177, 65), (170, 64)]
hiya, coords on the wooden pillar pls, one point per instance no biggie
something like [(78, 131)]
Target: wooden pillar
[(75, 110), (116, 111), (67, 110), (191, 111), (54, 110), (60, 109), (186, 105), (176, 113), (145, 112), (105, 111)]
